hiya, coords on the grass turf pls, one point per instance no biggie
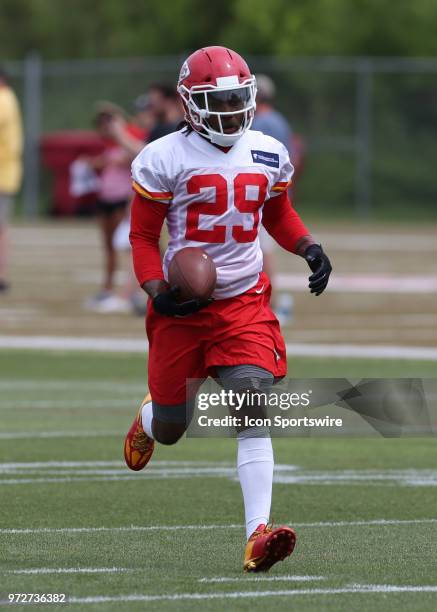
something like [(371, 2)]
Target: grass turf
[(64, 393)]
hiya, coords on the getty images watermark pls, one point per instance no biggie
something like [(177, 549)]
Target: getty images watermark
[(313, 407), (242, 403)]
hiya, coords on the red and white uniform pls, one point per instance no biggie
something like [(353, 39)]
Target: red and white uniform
[(215, 198)]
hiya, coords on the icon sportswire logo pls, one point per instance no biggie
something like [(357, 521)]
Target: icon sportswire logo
[(266, 158)]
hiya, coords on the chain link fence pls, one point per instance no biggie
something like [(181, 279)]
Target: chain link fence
[(369, 125)]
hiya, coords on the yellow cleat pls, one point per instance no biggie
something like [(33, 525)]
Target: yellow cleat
[(267, 546), (138, 447)]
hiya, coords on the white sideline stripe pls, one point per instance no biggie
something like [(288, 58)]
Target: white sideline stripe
[(87, 471), (370, 351), (369, 523), (358, 588), (379, 242), (75, 385), (71, 570), (364, 283), (51, 236), (116, 463), (23, 435), (117, 345), (264, 579), (72, 343), (31, 404), (120, 478)]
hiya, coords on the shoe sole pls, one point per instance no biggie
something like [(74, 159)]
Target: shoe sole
[(278, 547)]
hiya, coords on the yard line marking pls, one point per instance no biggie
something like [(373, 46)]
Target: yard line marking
[(49, 236), (378, 242), (71, 570), (369, 351), (117, 463), (364, 283), (109, 478), (31, 404), (71, 384), (53, 472), (72, 343), (264, 579), (365, 588), (117, 345), (364, 523), (23, 435), (134, 528)]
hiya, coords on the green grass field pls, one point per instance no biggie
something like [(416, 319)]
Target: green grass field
[(172, 537)]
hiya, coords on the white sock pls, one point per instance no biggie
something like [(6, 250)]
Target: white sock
[(255, 471), (147, 417)]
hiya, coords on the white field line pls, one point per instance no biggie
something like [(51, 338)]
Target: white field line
[(73, 385), (163, 528), (73, 343), (25, 435), (169, 476), (364, 283), (357, 588), (224, 579), (348, 283), (119, 345), (72, 570), (47, 237), (51, 472), (31, 404), (116, 463), (115, 570), (369, 351), (379, 242)]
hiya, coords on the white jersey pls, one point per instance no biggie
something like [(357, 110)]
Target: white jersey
[(215, 198)]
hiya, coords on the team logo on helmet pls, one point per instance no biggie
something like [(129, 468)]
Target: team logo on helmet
[(185, 72)]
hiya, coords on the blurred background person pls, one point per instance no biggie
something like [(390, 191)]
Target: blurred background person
[(158, 112), (272, 123), (114, 192), (267, 119), (167, 107), (144, 120), (11, 144)]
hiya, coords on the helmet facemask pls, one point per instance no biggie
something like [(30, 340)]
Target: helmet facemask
[(205, 104)]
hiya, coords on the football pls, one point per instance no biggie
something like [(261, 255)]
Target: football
[(194, 272)]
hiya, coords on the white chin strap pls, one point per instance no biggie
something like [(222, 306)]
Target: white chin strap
[(224, 140)]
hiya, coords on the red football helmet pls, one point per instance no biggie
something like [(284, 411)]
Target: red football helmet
[(215, 84)]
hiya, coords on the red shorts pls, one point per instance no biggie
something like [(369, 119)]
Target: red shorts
[(234, 331)]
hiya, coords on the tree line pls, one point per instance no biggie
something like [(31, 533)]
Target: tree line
[(64, 29)]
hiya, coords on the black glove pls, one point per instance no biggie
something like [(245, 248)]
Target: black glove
[(166, 304), (320, 266)]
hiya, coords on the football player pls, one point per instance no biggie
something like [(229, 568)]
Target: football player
[(214, 181)]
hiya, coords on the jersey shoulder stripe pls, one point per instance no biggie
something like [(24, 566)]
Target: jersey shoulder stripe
[(281, 186), (152, 195)]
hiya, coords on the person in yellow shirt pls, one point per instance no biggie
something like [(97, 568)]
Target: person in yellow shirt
[(11, 144)]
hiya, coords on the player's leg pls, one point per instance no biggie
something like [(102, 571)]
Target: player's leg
[(255, 453), (109, 223), (255, 464), (175, 355), (5, 204), (154, 422)]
